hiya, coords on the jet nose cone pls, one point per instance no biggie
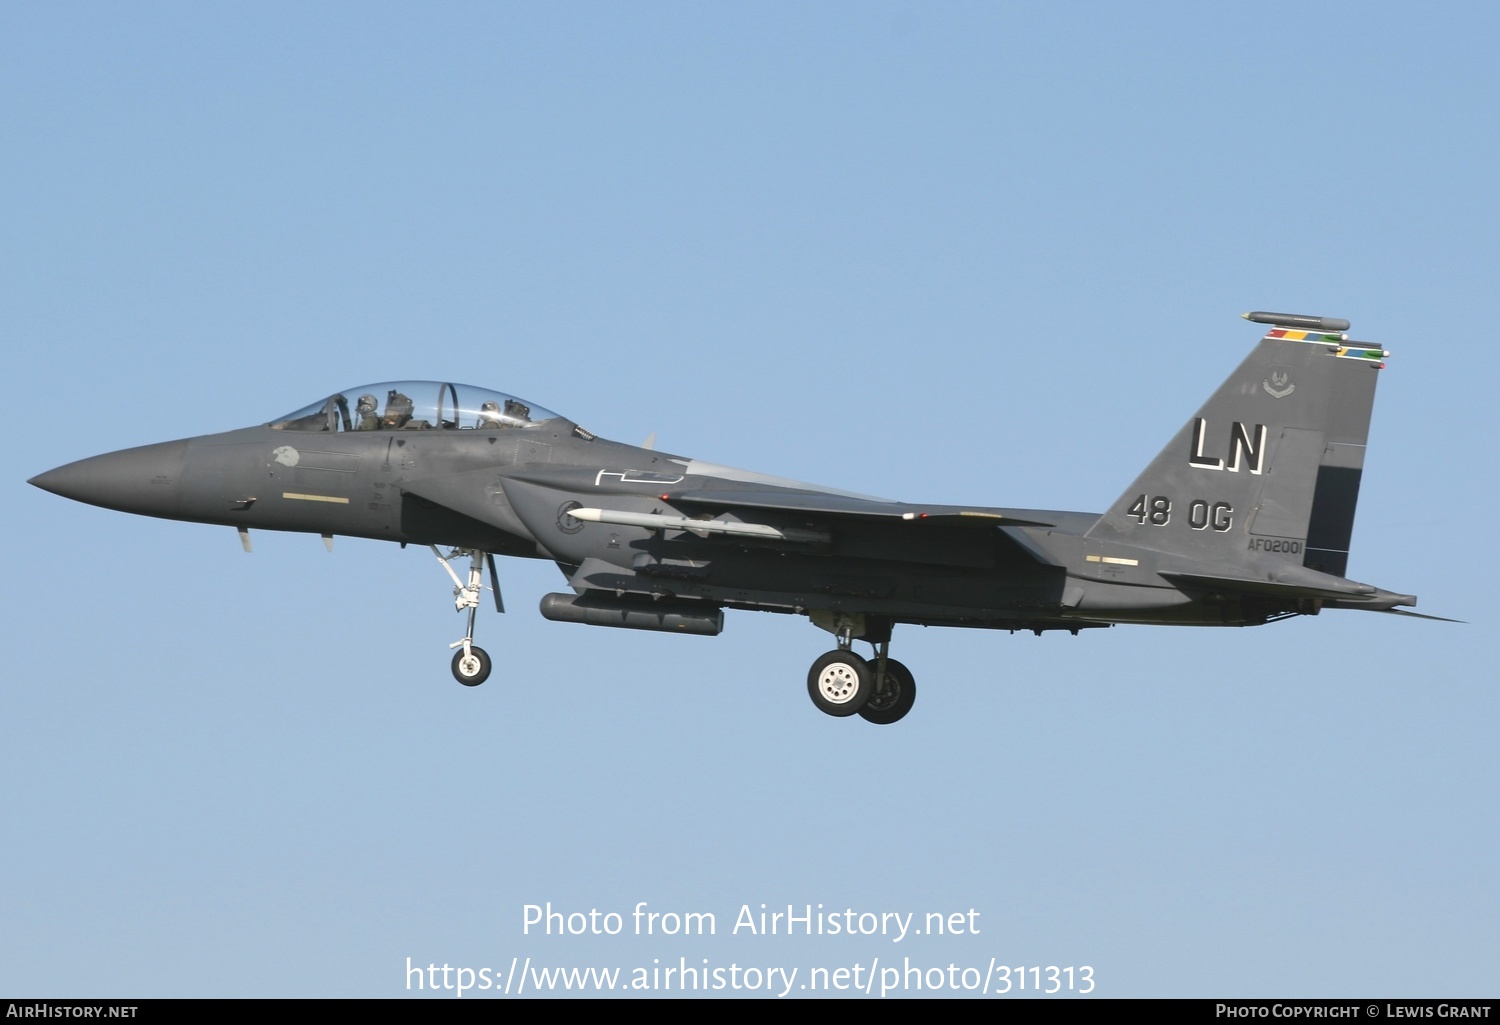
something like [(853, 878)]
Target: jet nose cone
[(142, 480)]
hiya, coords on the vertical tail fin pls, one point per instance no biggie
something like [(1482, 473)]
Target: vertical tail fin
[(1269, 468)]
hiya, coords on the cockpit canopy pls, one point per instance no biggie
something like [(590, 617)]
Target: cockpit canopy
[(418, 405)]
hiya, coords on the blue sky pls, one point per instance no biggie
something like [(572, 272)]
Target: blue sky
[(982, 253)]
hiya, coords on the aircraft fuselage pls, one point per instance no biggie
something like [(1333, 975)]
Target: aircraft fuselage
[(1244, 517)]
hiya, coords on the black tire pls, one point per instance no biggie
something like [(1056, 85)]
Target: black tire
[(891, 703), (471, 671), (840, 683)]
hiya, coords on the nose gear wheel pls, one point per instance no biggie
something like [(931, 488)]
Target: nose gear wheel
[(472, 667)]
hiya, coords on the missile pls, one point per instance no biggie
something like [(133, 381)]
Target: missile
[(656, 521)]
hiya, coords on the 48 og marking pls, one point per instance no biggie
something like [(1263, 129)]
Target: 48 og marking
[(1157, 511)]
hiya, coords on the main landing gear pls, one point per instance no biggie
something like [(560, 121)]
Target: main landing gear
[(879, 690), (471, 664)]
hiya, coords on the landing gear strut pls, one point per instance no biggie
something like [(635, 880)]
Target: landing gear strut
[(471, 663), (880, 690)]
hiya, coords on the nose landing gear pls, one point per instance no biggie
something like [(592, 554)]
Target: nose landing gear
[(471, 663)]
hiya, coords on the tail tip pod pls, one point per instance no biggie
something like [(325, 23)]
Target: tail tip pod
[(1297, 320)]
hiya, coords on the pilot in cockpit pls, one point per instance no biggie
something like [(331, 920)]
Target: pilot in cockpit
[(367, 419), (489, 417), (398, 410)]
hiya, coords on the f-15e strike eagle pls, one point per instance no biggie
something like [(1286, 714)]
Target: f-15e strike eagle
[(1245, 517)]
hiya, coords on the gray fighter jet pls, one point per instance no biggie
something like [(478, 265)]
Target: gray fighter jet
[(1245, 517)]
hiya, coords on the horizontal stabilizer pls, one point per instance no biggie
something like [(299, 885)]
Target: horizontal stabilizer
[(1244, 585), (1299, 582), (1419, 615)]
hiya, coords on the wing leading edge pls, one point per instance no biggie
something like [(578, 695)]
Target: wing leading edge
[(821, 504)]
